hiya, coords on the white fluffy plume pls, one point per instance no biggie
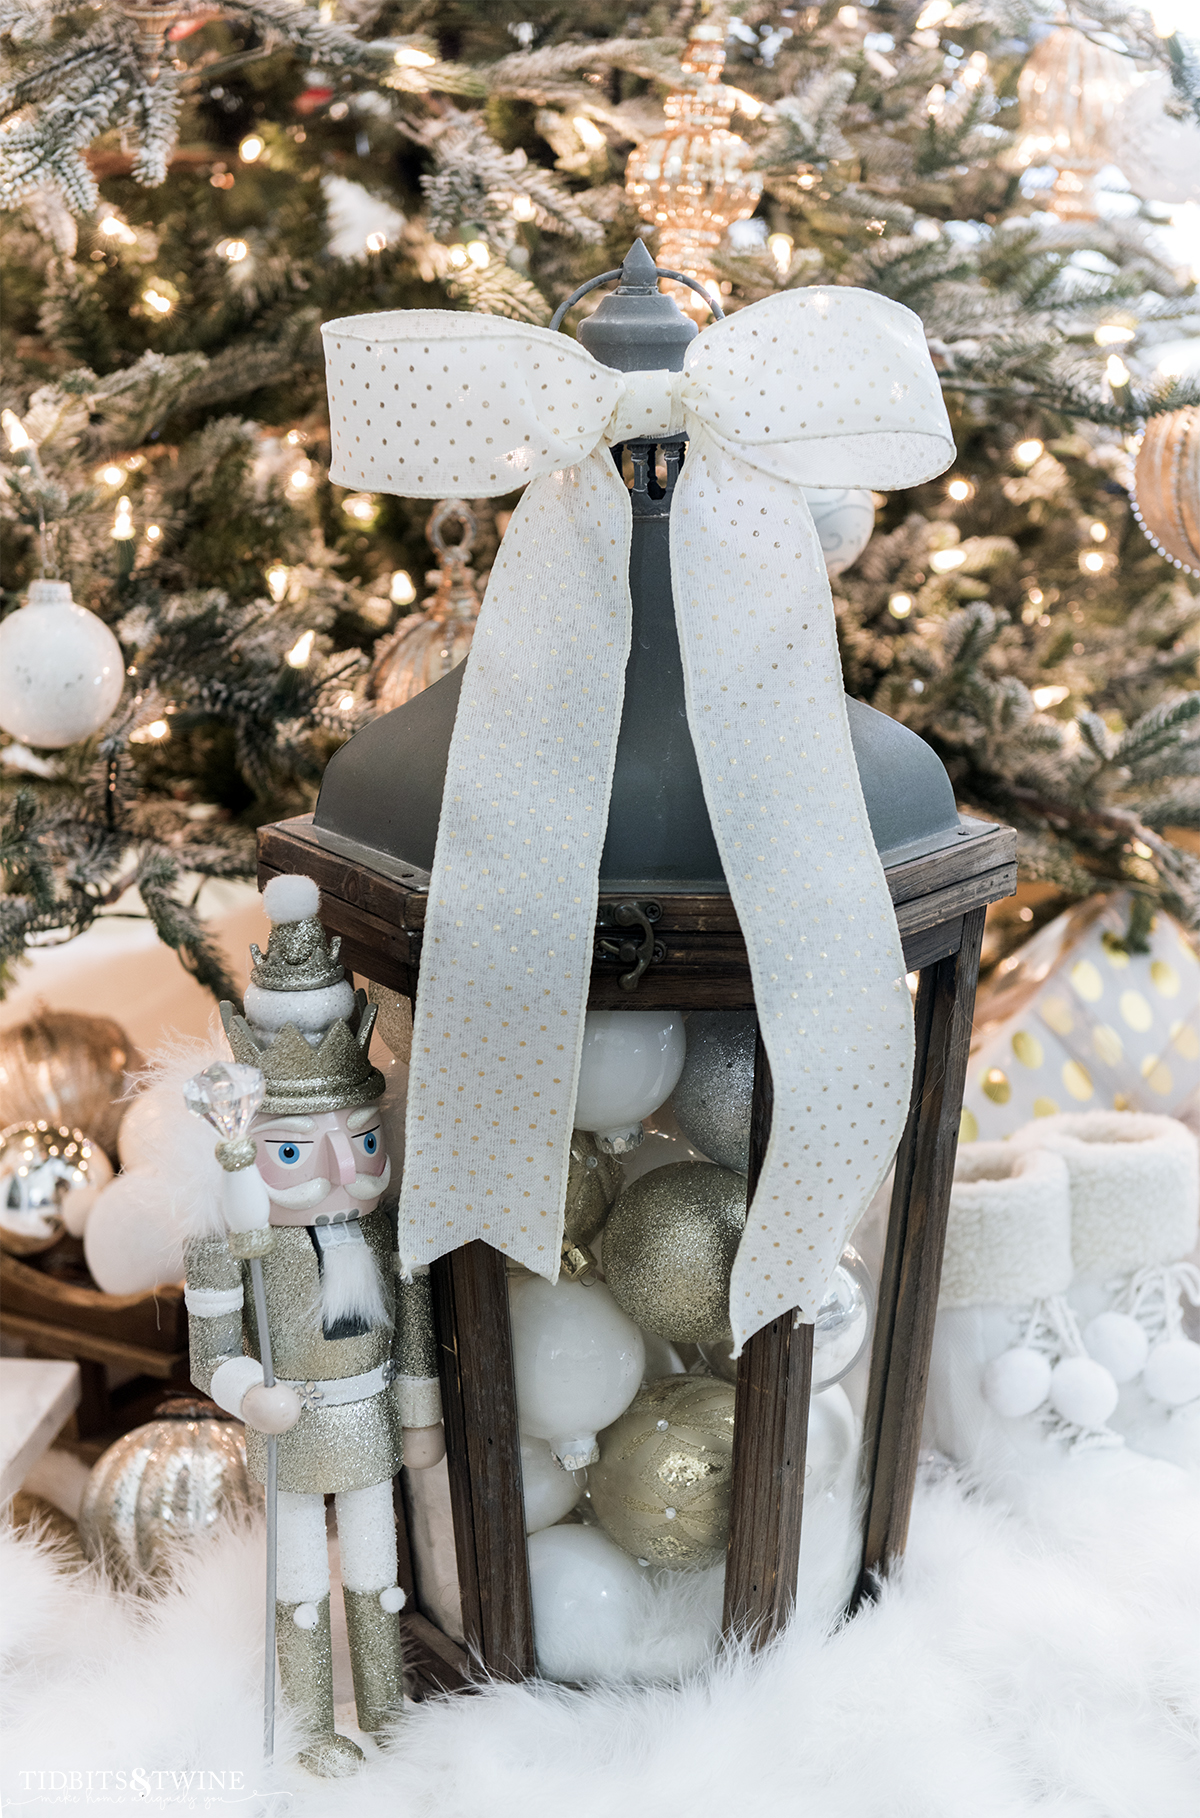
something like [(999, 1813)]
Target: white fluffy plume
[(291, 898)]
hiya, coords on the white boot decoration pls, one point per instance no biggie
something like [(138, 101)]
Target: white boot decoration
[(1154, 1297), (1052, 1372)]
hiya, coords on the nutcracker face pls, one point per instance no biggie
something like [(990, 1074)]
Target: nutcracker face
[(322, 1169)]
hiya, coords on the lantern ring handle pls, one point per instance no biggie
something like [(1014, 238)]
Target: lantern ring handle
[(659, 272)]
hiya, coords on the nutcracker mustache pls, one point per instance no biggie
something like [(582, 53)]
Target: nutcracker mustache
[(312, 1192)]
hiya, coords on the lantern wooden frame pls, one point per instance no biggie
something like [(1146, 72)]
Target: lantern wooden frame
[(940, 902)]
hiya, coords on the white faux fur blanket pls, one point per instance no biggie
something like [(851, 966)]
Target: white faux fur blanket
[(1046, 1665)]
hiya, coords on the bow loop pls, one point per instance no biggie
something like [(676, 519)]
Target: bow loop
[(652, 404)]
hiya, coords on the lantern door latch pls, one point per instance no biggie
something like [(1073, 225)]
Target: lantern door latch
[(638, 948)]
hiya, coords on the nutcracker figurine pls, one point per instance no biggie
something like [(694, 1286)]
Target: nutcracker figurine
[(311, 1238)]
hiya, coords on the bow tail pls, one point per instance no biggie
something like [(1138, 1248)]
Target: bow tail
[(767, 714), (507, 949)]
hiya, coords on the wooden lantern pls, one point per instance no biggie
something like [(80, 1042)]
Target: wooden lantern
[(667, 936)]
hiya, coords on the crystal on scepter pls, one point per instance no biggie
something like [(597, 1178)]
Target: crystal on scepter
[(227, 1096)]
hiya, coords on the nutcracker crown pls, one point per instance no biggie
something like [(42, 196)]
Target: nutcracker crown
[(303, 1078)]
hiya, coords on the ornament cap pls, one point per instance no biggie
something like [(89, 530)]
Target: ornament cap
[(50, 593)]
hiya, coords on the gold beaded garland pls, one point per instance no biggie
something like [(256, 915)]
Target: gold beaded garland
[(1166, 486)]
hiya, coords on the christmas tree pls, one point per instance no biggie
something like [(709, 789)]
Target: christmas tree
[(193, 189)]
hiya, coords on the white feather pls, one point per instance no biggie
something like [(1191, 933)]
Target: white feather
[(291, 898)]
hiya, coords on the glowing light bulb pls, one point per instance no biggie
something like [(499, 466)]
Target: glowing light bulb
[(1098, 532), (1111, 334), (934, 13), (300, 479), (251, 148), (376, 243), (233, 250), (900, 605), (112, 475), (114, 228), (1036, 596), (946, 559), (589, 132), (157, 300), (935, 100), (15, 431), (780, 247), (402, 590), (478, 254), (301, 650), (960, 490), (277, 581), (346, 704), (1116, 371), (1029, 451), (975, 70), (157, 729), (1091, 561), (1050, 696), (409, 57), (847, 15), (153, 532), (523, 209), (458, 256), (360, 506), (122, 530)]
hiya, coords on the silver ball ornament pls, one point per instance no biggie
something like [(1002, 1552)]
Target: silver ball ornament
[(716, 1088), (48, 1173), (669, 1246), (663, 1484)]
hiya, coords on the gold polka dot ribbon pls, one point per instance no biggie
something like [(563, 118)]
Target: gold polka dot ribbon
[(812, 388)]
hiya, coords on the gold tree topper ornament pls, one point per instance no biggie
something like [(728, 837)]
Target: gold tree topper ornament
[(693, 180), (428, 644)]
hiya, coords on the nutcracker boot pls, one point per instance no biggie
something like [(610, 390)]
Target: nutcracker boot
[(302, 1638), (367, 1538), (1012, 1392), (1135, 1206)]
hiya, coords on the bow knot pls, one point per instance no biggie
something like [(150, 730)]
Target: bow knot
[(652, 404), (812, 387)]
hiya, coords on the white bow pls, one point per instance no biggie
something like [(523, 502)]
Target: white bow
[(819, 388)]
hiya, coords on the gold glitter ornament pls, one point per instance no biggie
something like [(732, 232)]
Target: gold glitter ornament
[(593, 1182), (427, 645), (691, 181), (662, 1487), (669, 1247), (166, 1484)]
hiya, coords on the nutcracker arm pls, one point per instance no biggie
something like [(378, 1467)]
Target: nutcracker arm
[(414, 1353), (213, 1295)]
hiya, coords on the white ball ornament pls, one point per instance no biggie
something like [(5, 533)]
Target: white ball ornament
[(1172, 1373), (1117, 1341), (586, 1595), (1016, 1382), (1082, 1391), (131, 1241), (550, 1492), (845, 519), (630, 1065), (62, 667), (578, 1363)]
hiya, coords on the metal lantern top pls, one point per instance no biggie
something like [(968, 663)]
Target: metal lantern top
[(659, 836)]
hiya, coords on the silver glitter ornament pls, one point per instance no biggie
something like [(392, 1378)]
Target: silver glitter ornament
[(662, 1487), (712, 1100), (669, 1246), (167, 1483), (44, 1170)]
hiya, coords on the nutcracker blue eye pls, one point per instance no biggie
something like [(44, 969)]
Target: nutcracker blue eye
[(371, 1142), (289, 1153)]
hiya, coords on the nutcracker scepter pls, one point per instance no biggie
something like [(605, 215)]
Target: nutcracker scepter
[(227, 1096)]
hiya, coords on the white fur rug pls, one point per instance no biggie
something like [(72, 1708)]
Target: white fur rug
[(1045, 1664)]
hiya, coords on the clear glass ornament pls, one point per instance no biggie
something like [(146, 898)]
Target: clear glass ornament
[(845, 1320)]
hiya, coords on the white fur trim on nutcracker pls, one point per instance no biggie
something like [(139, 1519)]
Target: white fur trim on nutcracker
[(231, 1381), (291, 898), (366, 1524), (392, 1600), (302, 1563), (210, 1303), (1135, 1186), (819, 386), (1008, 1239), (311, 1012), (420, 1399)]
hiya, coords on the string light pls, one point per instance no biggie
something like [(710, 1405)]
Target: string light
[(122, 530), (848, 15), (112, 475), (900, 605), (976, 69), (153, 532), (523, 208), (301, 650), (1098, 532), (935, 100), (402, 590), (251, 148), (300, 479), (1036, 596), (409, 57), (1111, 334), (1116, 371), (1091, 561), (346, 704), (458, 256), (961, 490), (360, 506), (376, 243), (946, 559), (233, 250), (15, 431), (1026, 453), (277, 581), (478, 254), (1049, 696), (780, 247), (934, 13), (590, 133), (157, 300), (114, 228), (153, 733)]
